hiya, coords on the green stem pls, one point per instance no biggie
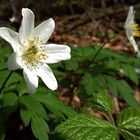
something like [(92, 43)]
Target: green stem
[(4, 83), (98, 51)]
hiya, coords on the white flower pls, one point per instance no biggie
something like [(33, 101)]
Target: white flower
[(132, 29), (31, 51)]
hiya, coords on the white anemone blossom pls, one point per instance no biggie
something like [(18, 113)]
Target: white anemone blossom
[(31, 53), (132, 29)]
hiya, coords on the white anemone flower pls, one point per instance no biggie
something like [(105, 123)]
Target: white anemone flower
[(31, 53), (132, 29)]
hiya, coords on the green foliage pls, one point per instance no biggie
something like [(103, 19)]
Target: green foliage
[(4, 53), (126, 92), (39, 127), (2, 132), (96, 77), (85, 127), (129, 124), (9, 99), (50, 101), (104, 70), (102, 101), (9, 104), (34, 112)]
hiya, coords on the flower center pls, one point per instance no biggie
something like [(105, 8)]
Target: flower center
[(32, 54), (136, 30)]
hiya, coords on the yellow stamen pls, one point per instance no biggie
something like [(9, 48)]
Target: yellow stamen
[(33, 54), (136, 30)]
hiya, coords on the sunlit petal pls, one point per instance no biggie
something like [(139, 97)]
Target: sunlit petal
[(10, 36), (45, 73), (56, 53), (133, 42), (31, 80), (44, 30), (27, 24), (14, 62), (130, 17)]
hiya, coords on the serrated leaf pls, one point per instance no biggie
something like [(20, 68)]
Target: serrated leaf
[(9, 104), (85, 127), (126, 92), (27, 102), (9, 99), (129, 123), (112, 84), (25, 116), (39, 127), (130, 73), (33, 111), (87, 81), (21, 88), (54, 104), (72, 63), (2, 65), (84, 53), (15, 77), (93, 82), (3, 75), (102, 101)]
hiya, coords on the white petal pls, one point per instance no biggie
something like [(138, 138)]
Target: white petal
[(11, 37), (133, 42), (56, 53), (27, 24), (45, 73), (44, 30), (14, 62), (130, 17), (31, 81)]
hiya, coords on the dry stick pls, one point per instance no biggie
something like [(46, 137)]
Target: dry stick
[(71, 96), (3, 85), (111, 118), (116, 105)]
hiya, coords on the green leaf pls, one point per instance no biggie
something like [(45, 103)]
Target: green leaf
[(126, 92), (27, 102), (84, 53), (32, 110), (3, 75), (25, 116), (39, 127), (85, 127), (112, 84), (130, 72), (91, 83), (9, 104), (72, 63), (2, 132), (102, 101), (54, 104), (21, 88), (87, 82), (129, 123), (15, 77), (9, 99)]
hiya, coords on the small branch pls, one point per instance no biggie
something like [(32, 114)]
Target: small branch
[(116, 105), (111, 118)]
